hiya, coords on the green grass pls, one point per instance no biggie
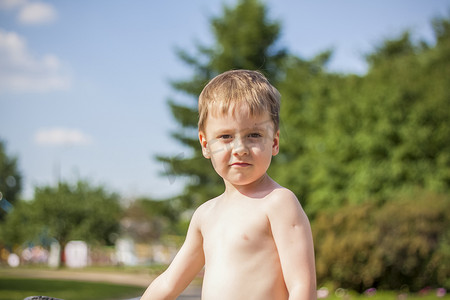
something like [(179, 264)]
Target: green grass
[(19, 288), (387, 295)]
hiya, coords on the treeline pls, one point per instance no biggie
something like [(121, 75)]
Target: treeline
[(61, 213), (369, 157), (350, 139)]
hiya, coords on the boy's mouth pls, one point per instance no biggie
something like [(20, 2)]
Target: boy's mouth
[(240, 164)]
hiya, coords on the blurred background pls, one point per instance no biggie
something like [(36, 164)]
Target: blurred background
[(99, 159)]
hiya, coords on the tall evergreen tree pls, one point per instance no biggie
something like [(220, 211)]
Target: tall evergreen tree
[(245, 38)]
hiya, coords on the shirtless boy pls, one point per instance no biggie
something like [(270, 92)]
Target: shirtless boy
[(254, 240)]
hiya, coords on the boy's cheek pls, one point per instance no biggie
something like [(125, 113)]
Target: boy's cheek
[(216, 147), (216, 150)]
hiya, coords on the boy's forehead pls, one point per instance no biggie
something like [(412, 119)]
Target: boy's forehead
[(242, 118), (235, 110)]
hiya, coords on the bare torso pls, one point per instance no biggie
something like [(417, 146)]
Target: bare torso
[(241, 257)]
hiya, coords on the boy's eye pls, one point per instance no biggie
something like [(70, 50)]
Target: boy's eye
[(225, 137), (255, 135)]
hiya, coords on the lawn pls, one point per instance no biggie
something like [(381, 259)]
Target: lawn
[(20, 288), (387, 295)]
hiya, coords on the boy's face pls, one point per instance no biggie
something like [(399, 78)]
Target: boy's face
[(239, 145)]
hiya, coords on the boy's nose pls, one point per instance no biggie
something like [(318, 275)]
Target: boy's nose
[(239, 147)]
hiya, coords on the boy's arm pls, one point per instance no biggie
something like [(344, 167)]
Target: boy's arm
[(183, 269), (292, 234)]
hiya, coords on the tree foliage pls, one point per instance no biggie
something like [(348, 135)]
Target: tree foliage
[(244, 38), (351, 139), (65, 212), (10, 180), (356, 149)]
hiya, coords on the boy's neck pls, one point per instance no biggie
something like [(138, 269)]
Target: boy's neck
[(257, 189)]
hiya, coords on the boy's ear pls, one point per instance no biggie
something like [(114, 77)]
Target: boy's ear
[(276, 144), (204, 144)]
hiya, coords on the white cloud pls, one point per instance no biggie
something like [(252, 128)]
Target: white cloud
[(31, 12), (21, 71), (37, 13), (61, 137)]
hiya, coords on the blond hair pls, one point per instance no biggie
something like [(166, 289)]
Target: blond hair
[(239, 89)]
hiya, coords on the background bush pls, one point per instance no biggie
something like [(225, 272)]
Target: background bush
[(402, 243)]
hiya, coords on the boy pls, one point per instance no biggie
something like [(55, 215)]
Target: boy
[(254, 240)]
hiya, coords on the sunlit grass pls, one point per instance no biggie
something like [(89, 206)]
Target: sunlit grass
[(386, 295), (20, 288), (148, 269)]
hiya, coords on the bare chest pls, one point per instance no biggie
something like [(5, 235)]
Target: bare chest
[(236, 230), (241, 260)]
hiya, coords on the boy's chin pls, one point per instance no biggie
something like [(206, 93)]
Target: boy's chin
[(244, 181)]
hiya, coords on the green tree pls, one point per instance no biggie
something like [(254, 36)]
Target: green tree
[(245, 38), (353, 145), (65, 212), (10, 180), (307, 93), (351, 139)]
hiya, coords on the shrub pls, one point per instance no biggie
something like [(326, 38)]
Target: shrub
[(404, 242)]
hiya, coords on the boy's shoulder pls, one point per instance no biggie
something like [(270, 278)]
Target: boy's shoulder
[(205, 207), (280, 193), (282, 199), (210, 203), (275, 194)]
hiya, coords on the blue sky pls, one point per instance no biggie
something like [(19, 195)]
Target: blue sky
[(84, 84)]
